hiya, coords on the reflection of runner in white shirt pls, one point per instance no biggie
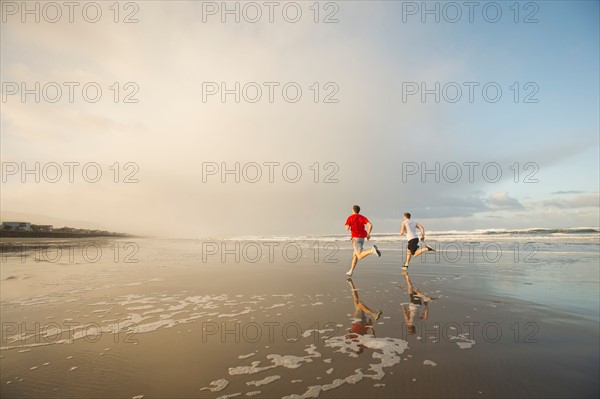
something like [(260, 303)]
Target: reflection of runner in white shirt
[(409, 227), (412, 313)]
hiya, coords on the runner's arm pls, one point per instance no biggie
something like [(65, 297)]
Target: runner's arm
[(369, 228), (422, 231), (424, 296)]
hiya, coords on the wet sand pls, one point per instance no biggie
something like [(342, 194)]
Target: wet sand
[(173, 325)]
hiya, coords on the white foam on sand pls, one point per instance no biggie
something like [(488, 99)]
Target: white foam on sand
[(315, 390), (307, 333), (182, 305), (264, 381), (391, 348), (252, 369), (143, 307), (216, 386), (253, 393), (387, 350), (463, 342), (465, 345), (312, 392), (429, 363), (287, 361), (233, 395), (277, 305), (144, 328), (246, 356), (245, 311)]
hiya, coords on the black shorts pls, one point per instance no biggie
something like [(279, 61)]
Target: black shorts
[(413, 245)]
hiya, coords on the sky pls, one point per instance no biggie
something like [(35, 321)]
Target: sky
[(360, 132)]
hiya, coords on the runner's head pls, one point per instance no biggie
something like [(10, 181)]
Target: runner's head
[(407, 215), (356, 209)]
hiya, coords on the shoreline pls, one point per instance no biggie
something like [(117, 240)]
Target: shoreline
[(48, 234), (12, 245)]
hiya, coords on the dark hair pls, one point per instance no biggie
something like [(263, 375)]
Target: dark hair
[(407, 215), (356, 208)]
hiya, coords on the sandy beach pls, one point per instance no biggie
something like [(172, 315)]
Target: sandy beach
[(183, 321)]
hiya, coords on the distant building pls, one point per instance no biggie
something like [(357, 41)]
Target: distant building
[(42, 227), (19, 226), (66, 230)]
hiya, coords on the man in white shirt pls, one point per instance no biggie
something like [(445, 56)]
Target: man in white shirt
[(409, 227)]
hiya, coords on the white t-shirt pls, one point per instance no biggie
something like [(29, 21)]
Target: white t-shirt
[(411, 229)]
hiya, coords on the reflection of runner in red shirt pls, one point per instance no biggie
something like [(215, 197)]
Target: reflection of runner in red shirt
[(362, 325), (356, 224)]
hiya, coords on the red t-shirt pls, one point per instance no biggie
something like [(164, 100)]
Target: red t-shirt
[(357, 225)]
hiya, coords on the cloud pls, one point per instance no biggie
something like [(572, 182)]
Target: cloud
[(580, 201), (502, 201), (440, 207), (567, 192)]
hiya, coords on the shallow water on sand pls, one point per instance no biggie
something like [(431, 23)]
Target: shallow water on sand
[(190, 320)]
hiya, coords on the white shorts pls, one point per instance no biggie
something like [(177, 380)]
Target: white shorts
[(357, 244)]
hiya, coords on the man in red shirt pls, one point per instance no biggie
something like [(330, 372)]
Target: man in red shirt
[(356, 224)]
